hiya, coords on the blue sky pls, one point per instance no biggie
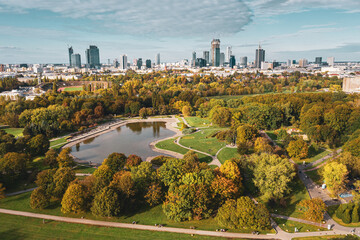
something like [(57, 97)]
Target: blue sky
[(38, 31)]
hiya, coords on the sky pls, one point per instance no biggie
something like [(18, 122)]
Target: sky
[(39, 31)]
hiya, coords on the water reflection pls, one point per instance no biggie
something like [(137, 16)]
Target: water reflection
[(133, 138)]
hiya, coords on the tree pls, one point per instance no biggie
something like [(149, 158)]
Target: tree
[(74, 199), (12, 167), (262, 145), (298, 149), (62, 178), (115, 161), (314, 209), (223, 188), (38, 145), (45, 180), (106, 203), (355, 214), (2, 191), (186, 110), (39, 199), (123, 184), (220, 116), (154, 195), (335, 176), (231, 171), (172, 171), (143, 175), (272, 175), (352, 163), (50, 158), (133, 161), (104, 173), (246, 133), (243, 213), (352, 147), (64, 159), (143, 113), (347, 216)]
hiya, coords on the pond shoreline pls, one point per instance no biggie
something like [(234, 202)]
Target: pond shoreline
[(108, 127)]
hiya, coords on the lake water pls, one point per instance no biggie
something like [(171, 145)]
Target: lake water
[(132, 138)]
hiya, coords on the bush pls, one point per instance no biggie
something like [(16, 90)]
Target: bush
[(347, 216), (39, 199), (188, 130), (340, 211), (106, 203), (355, 214), (159, 160)]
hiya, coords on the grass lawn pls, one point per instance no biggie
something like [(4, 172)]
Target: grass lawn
[(198, 122), (227, 153), (297, 194), (145, 216), (316, 176), (84, 169), (58, 143), (273, 136), (73, 89), (331, 210), (17, 132), (289, 226), (170, 145), (18, 227), (179, 124), (320, 154), (324, 237), (203, 142)]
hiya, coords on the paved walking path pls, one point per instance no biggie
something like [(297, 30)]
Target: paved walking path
[(322, 161), (20, 192), (280, 234)]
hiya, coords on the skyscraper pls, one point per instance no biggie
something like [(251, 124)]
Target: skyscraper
[(228, 54), (243, 61), (92, 56), (215, 52), (157, 59), (232, 61), (206, 56), (318, 60), (303, 63), (116, 63), (123, 62), (259, 57), (139, 63), (76, 60), (331, 61), (222, 59), (193, 59), (148, 63), (71, 51)]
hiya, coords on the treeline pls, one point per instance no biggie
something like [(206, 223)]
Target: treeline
[(9, 83)]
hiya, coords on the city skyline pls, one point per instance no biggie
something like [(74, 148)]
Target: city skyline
[(38, 31)]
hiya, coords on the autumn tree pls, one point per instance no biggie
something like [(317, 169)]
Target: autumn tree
[(38, 145), (243, 213), (133, 161), (64, 158), (45, 180), (154, 194), (230, 170), (106, 203), (62, 178), (2, 191), (74, 199), (186, 110), (298, 149), (246, 133), (220, 116), (335, 176), (12, 167), (313, 209), (115, 161), (352, 147), (39, 199), (262, 145), (50, 158), (272, 175)]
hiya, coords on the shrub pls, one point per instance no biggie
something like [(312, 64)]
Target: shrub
[(355, 214), (39, 199), (347, 216)]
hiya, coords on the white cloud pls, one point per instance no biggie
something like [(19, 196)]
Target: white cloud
[(159, 17)]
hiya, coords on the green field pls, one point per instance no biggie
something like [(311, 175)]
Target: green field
[(203, 142), (84, 169), (18, 227), (316, 176), (171, 146), (17, 132), (227, 153), (73, 89), (289, 226), (145, 216), (198, 122), (298, 193), (58, 143), (325, 237)]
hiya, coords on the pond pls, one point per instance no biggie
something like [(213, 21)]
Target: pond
[(132, 138)]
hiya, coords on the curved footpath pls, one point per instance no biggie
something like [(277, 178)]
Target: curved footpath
[(280, 235)]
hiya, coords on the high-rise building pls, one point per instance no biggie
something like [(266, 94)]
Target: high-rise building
[(76, 60), (71, 51), (318, 60), (243, 61), (193, 59), (123, 62), (92, 57), (201, 62), (2, 68), (215, 52), (116, 63), (232, 61), (331, 61), (222, 59), (157, 59), (303, 63), (206, 56), (228, 54), (148, 63), (259, 57), (139, 63)]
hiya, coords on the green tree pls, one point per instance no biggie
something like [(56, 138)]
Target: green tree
[(246, 133), (45, 180), (106, 203), (104, 173), (346, 218), (74, 199), (335, 176), (352, 147), (220, 116), (38, 145), (298, 149), (355, 214), (12, 167), (115, 161), (62, 178), (143, 175), (243, 213), (272, 175), (50, 158), (39, 199)]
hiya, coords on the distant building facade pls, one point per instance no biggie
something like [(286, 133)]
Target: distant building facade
[(222, 59), (92, 57), (148, 63), (123, 62), (318, 60), (232, 61), (215, 52), (351, 85), (71, 51), (243, 61), (76, 60), (259, 57), (303, 63), (157, 59), (331, 61), (206, 56)]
